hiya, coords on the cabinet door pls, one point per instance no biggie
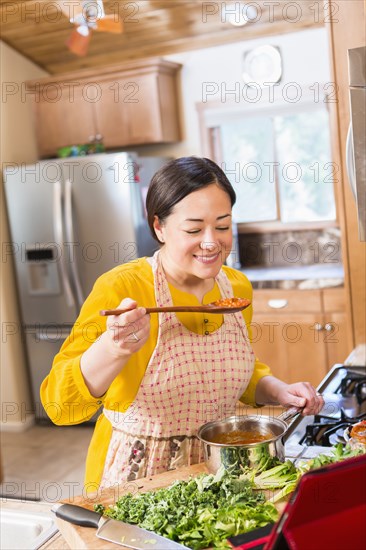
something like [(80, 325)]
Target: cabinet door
[(291, 345), (144, 111), (111, 112), (65, 116), (337, 327), (128, 112), (336, 337)]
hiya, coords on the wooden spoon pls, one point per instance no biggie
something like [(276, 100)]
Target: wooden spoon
[(229, 305)]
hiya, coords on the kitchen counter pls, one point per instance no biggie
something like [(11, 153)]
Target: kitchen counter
[(357, 356), (58, 542), (296, 277), (82, 538), (72, 537)]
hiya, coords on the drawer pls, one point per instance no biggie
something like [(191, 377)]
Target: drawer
[(277, 301), (334, 299)]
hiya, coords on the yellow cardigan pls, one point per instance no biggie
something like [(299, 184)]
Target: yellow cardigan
[(64, 394)]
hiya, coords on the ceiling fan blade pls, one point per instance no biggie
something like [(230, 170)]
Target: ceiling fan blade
[(79, 43), (108, 24)]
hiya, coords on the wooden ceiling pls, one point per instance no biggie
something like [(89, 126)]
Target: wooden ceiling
[(39, 29)]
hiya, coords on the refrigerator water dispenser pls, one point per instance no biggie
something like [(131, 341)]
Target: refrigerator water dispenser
[(42, 272)]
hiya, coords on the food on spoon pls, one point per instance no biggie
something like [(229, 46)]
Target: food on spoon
[(220, 306), (231, 302)]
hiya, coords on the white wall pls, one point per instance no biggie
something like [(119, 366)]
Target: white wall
[(17, 144), (305, 58)]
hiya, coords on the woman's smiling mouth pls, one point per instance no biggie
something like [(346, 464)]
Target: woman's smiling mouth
[(207, 258)]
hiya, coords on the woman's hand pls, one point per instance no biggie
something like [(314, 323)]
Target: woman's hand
[(271, 390), (128, 332), (108, 355), (301, 395)]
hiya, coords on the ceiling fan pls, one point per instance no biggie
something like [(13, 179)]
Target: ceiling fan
[(88, 15)]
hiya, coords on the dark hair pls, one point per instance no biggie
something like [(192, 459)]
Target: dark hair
[(177, 179)]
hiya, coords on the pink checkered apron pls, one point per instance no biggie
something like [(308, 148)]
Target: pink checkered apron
[(190, 379)]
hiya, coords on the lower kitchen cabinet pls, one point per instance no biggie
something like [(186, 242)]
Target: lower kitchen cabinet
[(300, 334), (336, 325)]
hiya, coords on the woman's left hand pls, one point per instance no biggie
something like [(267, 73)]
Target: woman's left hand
[(302, 395)]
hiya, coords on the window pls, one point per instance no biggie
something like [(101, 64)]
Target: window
[(279, 162)]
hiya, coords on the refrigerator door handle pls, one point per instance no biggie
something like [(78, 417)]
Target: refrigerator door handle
[(51, 337), (350, 163), (59, 238), (69, 228)]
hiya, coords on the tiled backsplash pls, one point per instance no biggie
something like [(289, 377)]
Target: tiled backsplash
[(290, 248)]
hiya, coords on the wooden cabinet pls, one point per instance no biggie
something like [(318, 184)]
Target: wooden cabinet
[(128, 105), (335, 325), (63, 117), (300, 334)]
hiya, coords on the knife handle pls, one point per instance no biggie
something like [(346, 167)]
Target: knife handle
[(77, 515)]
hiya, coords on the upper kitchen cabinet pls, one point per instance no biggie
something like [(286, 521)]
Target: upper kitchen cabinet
[(133, 104), (63, 117)]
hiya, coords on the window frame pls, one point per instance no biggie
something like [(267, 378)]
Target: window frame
[(212, 111)]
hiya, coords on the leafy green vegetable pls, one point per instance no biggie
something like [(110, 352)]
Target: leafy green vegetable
[(263, 460), (277, 477), (200, 512), (286, 476), (338, 452), (237, 460), (206, 510)]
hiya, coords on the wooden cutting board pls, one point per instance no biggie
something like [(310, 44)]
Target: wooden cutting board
[(85, 537)]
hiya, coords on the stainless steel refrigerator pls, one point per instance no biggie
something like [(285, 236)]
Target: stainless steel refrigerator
[(70, 221), (356, 139)]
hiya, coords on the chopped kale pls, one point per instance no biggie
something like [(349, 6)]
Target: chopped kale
[(200, 512)]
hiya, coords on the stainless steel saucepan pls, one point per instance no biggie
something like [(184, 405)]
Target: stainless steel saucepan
[(235, 457)]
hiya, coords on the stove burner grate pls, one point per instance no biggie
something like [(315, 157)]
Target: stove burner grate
[(327, 431), (353, 384)]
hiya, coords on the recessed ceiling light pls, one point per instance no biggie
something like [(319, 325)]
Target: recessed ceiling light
[(239, 13)]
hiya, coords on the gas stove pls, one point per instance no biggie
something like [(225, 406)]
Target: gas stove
[(344, 393)]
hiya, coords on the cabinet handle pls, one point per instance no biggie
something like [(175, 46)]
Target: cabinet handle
[(277, 304), (91, 138), (329, 327)]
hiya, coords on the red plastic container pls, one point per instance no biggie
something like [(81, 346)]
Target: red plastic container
[(326, 512)]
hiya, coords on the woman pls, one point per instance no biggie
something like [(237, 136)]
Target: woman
[(159, 378)]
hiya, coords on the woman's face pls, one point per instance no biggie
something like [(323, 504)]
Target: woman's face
[(197, 235)]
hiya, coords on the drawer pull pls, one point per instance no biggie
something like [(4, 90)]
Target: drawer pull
[(318, 326), (277, 304), (329, 327)]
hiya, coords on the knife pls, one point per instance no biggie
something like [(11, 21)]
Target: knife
[(115, 531)]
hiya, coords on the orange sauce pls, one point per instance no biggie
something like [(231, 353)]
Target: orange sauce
[(231, 302), (239, 437)]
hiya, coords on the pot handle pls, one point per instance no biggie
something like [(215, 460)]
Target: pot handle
[(290, 413)]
